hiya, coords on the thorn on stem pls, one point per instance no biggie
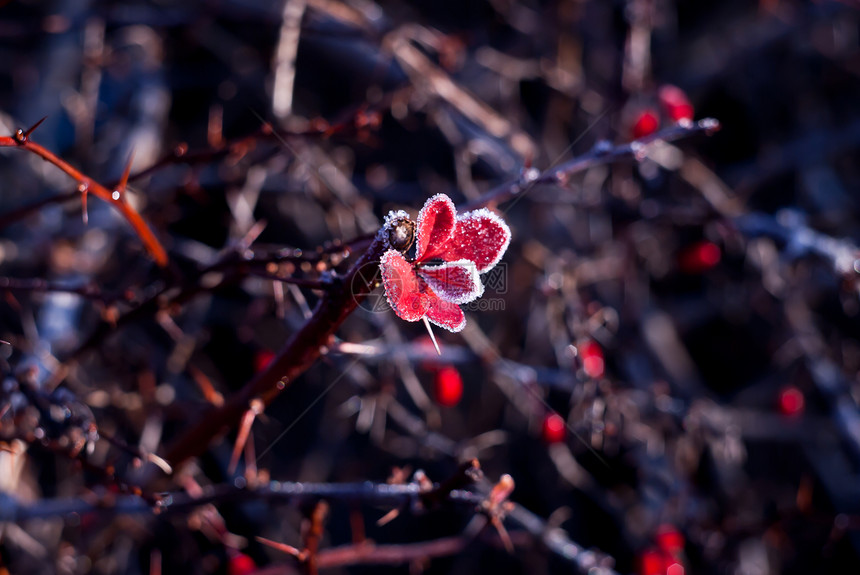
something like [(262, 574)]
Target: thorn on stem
[(123, 182), (388, 518), (160, 463), (244, 432), (432, 337), (83, 188), (21, 136), (282, 547)]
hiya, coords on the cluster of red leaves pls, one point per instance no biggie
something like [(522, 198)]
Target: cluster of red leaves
[(468, 245)]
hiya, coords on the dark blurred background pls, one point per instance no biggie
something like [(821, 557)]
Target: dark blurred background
[(691, 315)]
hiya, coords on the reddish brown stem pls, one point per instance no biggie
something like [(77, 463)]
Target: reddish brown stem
[(314, 536), (299, 353), (21, 140)]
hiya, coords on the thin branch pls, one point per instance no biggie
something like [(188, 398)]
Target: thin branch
[(602, 153), (39, 285), (87, 185), (382, 495)]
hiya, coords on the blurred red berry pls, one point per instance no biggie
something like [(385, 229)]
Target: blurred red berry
[(670, 540), (241, 564), (554, 430), (591, 356), (791, 401), (676, 103), (646, 124), (652, 562), (699, 257), (675, 569), (262, 359), (449, 386)]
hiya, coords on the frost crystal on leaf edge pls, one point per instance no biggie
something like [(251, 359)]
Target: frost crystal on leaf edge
[(450, 289)]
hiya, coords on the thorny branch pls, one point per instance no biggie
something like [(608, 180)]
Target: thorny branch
[(307, 344), (86, 185), (409, 496), (693, 353)]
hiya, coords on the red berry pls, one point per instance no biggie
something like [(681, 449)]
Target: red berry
[(262, 359), (676, 103), (449, 386), (591, 356), (646, 124), (675, 569), (554, 429), (241, 564), (699, 257), (652, 562), (791, 401), (670, 540)]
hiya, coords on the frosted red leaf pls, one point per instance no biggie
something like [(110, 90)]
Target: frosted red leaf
[(446, 314), (403, 288), (456, 282), (436, 223), (482, 237), (468, 245)]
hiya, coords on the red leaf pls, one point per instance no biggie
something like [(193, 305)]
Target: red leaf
[(469, 245), (446, 314), (456, 282), (403, 288), (436, 222), (482, 237)]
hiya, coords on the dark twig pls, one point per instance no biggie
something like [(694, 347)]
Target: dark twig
[(602, 153), (385, 495), (39, 285)]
